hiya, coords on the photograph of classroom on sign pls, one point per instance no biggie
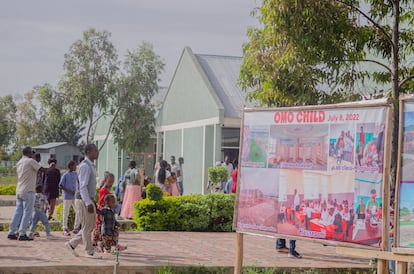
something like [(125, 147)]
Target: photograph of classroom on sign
[(313, 173)]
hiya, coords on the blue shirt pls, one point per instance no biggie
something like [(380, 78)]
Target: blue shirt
[(68, 181)]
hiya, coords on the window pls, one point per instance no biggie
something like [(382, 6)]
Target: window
[(230, 143)]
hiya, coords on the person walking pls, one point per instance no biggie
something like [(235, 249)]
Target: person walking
[(27, 169), (281, 247), (39, 213), (180, 175), (68, 186), (85, 194), (51, 185)]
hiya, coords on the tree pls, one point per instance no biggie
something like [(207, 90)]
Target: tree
[(7, 122), (134, 123), (90, 69), (58, 125), (313, 52), (27, 129)]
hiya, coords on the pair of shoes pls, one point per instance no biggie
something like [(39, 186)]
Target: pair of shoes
[(120, 247), (71, 249), (294, 254), (12, 236), (94, 255), (66, 233), (75, 231), (282, 249), (24, 238)]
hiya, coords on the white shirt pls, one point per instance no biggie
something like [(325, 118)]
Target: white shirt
[(87, 181), (26, 169)]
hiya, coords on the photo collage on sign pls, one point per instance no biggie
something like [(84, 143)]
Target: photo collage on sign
[(319, 180)]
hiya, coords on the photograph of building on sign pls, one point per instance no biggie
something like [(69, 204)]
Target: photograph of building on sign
[(311, 179)]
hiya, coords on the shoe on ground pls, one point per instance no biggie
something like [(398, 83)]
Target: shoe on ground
[(24, 238), (71, 249), (294, 254), (66, 232), (75, 231), (31, 235), (283, 249), (50, 237), (94, 255), (12, 236), (36, 234)]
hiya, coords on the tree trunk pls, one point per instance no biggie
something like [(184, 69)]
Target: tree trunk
[(395, 94)]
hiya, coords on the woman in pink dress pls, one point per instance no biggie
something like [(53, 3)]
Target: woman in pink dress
[(132, 191), (173, 185)]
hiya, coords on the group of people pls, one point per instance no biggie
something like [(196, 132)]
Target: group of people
[(36, 193), (169, 176), (78, 190)]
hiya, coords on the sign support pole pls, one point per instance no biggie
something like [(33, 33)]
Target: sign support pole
[(239, 254)]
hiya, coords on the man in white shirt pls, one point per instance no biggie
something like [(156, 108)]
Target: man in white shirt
[(85, 195), (27, 169)]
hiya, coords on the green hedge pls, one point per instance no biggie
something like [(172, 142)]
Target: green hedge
[(211, 212), (8, 189)]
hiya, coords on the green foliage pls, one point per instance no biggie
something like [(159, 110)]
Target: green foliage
[(404, 211), (217, 174), (4, 170), (7, 120), (312, 52), (154, 192), (212, 212), (8, 189), (59, 215), (134, 123), (90, 69)]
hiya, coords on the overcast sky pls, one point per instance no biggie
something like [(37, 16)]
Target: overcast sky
[(35, 35)]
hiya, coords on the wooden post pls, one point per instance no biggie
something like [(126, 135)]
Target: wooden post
[(401, 267), (238, 269), (382, 265)]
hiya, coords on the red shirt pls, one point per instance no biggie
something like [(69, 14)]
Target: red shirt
[(102, 193), (234, 180)]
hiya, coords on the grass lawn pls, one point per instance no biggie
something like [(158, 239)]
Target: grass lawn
[(6, 180), (406, 223)]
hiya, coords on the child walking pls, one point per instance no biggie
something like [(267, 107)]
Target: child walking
[(39, 213), (109, 229), (68, 185), (105, 190)]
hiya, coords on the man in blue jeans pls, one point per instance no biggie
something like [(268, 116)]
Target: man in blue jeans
[(281, 247), (27, 169)]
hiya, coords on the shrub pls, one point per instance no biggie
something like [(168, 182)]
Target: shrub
[(211, 212), (154, 192), (217, 174), (8, 189)]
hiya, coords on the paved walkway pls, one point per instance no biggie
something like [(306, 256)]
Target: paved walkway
[(156, 250), (148, 251)]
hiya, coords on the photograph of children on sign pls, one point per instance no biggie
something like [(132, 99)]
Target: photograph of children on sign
[(406, 193), (313, 173)]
